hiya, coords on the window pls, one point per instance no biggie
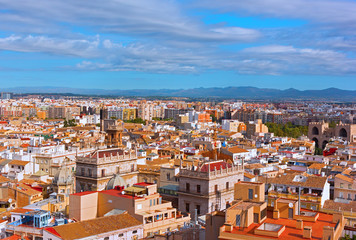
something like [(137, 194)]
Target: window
[(198, 188), (117, 169), (134, 232), (256, 218), (139, 206), (341, 195), (341, 185), (187, 207), (106, 238), (216, 188), (150, 202), (121, 235), (89, 172), (82, 171), (349, 196), (187, 187), (103, 172), (349, 186), (168, 176), (227, 185), (263, 213), (238, 217), (250, 194)]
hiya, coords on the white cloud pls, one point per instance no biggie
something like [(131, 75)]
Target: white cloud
[(43, 44), (322, 11), (154, 19), (160, 37)]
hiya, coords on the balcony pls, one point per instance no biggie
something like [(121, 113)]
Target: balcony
[(165, 223), (24, 229), (294, 196)]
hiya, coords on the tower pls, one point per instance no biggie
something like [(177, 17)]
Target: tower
[(114, 134)]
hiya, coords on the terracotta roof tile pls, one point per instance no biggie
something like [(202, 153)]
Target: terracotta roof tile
[(85, 229)]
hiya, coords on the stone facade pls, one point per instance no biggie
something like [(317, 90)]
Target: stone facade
[(208, 187), (94, 170), (320, 133)]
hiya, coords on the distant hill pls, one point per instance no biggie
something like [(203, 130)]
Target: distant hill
[(227, 92)]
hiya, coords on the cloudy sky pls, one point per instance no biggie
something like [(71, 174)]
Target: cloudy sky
[(121, 44)]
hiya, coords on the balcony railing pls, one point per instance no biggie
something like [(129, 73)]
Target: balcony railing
[(304, 197)]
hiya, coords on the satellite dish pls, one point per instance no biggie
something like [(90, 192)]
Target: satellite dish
[(10, 200), (290, 205), (256, 195)]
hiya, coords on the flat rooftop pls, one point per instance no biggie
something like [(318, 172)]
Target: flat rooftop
[(290, 232)]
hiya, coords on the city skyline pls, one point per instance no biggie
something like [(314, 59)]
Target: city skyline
[(178, 44)]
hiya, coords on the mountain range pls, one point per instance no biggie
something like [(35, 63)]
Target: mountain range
[(227, 92)]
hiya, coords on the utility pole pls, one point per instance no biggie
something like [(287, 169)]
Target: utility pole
[(299, 200)]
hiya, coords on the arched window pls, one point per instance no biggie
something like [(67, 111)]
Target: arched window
[(315, 131), (343, 132)]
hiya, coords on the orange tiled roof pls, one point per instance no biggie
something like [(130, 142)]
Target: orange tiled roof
[(4, 179), (85, 229), (236, 150), (19, 162), (317, 166), (344, 178)]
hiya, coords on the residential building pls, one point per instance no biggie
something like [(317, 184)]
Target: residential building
[(31, 223), (255, 128), (249, 218), (345, 185), (129, 113), (208, 187), (314, 190), (141, 200), (94, 170)]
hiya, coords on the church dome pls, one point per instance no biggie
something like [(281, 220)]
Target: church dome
[(116, 180), (64, 176)]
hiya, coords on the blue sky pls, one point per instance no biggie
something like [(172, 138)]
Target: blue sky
[(117, 44)]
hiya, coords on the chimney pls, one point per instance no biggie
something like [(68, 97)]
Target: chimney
[(299, 224), (338, 217), (307, 232), (228, 227), (276, 214), (275, 204), (328, 233)]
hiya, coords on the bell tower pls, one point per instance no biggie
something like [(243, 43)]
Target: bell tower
[(114, 135)]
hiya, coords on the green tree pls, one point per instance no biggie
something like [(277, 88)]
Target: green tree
[(332, 124), (137, 120), (318, 151), (213, 118), (287, 130)]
